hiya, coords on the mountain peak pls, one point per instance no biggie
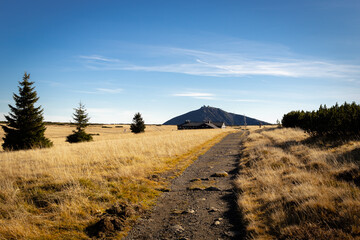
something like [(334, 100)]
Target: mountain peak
[(208, 113), (204, 106)]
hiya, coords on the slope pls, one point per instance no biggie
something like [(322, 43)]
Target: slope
[(207, 113)]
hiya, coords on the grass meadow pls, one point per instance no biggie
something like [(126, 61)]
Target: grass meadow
[(56, 193), (292, 186)]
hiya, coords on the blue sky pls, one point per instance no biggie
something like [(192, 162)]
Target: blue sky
[(165, 58)]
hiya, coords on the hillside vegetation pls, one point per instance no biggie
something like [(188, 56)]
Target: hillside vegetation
[(58, 193), (334, 121), (293, 186)]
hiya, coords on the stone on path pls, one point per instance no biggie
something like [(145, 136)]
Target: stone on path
[(177, 228), (220, 174)]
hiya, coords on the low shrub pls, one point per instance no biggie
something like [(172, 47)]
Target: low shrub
[(79, 136)]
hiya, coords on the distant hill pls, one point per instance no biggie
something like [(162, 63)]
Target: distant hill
[(213, 114)]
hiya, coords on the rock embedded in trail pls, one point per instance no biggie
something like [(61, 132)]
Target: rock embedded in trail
[(220, 174), (176, 211), (212, 189), (212, 209), (177, 228), (217, 223), (195, 180), (191, 211)]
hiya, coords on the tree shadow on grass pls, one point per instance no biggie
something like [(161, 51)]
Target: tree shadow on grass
[(267, 129), (320, 142), (327, 142)]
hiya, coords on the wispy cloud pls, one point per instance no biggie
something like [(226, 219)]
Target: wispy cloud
[(197, 95), (109, 90), (98, 58), (247, 100), (101, 91), (225, 64)]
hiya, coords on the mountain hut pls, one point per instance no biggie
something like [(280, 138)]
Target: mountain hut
[(201, 125)]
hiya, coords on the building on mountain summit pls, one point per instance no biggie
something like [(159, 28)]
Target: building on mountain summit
[(201, 125)]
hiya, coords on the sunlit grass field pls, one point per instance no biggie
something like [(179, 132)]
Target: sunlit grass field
[(56, 193), (57, 133), (293, 186)]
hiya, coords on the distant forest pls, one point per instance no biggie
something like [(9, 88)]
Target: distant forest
[(334, 121)]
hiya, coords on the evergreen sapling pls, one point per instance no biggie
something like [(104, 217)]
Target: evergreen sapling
[(81, 119), (26, 127), (138, 124)]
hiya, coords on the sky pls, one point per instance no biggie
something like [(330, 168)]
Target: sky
[(164, 58)]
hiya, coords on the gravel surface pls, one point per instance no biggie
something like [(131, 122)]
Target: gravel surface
[(202, 201)]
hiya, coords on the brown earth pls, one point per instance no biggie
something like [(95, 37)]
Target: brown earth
[(201, 203)]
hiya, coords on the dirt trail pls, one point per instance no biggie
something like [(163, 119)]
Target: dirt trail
[(201, 202)]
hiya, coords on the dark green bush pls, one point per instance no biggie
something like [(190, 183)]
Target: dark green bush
[(79, 136)]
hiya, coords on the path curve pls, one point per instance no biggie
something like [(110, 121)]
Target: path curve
[(202, 202)]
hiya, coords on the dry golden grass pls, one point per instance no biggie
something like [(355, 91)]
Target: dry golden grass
[(295, 188), (56, 193), (58, 133)]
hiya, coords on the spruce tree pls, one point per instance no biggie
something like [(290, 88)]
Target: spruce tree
[(138, 124), (81, 119), (25, 123)]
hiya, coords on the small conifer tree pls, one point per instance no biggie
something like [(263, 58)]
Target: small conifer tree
[(81, 119), (25, 123), (138, 124)]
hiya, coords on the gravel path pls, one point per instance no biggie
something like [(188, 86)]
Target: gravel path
[(202, 202)]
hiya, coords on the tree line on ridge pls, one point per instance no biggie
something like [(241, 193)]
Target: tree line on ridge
[(337, 120)]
